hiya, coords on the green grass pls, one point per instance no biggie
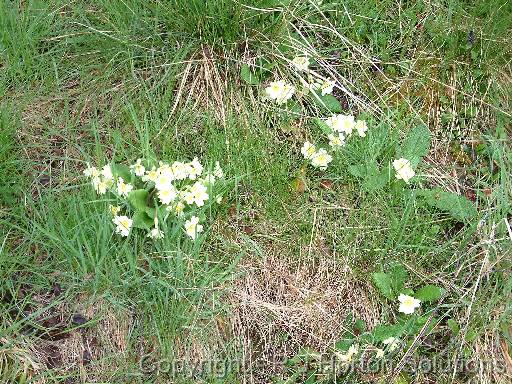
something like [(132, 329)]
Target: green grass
[(115, 81)]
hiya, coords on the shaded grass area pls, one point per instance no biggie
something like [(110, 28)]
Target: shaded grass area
[(96, 81)]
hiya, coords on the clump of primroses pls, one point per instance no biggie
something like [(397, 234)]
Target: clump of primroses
[(148, 194), (339, 128)]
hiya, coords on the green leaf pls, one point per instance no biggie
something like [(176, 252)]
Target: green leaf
[(374, 179), (429, 293), (382, 332), (141, 220), (360, 325), (291, 110), (357, 170), (151, 211), (454, 326), (323, 126), (383, 283), (248, 76), (329, 102), (455, 205), (343, 345), (398, 275), (138, 199), (264, 68), (471, 334), (123, 171), (416, 145)]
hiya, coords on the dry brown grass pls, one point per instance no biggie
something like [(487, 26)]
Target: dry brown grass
[(281, 307), (55, 342)]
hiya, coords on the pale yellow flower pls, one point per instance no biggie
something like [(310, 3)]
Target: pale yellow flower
[(192, 227), (123, 189), (164, 181), (349, 356), (151, 175), (308, 150), (341, 123), (180, 170), (100, 185), (392, 343), (167, 195), (327, 86), (321, 159), (403, 169), (138, 168), (301, 63), (123, 225), (279, 91), (408, 304), (156, 233), (114, 209), (336, 140), (195, 169), (218, 172), (107, 174), (198, 194), (361, 128), (91, 172)]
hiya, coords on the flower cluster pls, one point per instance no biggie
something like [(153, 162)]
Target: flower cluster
[(339, 128), (156, 193), (281, 91)]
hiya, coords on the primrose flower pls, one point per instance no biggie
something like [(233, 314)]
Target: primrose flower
[(403, 169), (180, 170), (341, 123), (217, 171), (155, 233), (392, 343), (166, 170), (336, 141), (361, 127), (408, 304), (379, 354), (308, 150), (138, 168), (168, 194), (301, 63), (197, 194), (106, 172), (280, 91), (321, 159), (195, 169), (347, 357), (123, 188), (123, 225), (218, 199), (114, 209), (179, 207), (91, 172), (327, 86), (164, 181), (151, 175), (288, 92), (100, 185), (192, 227)]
